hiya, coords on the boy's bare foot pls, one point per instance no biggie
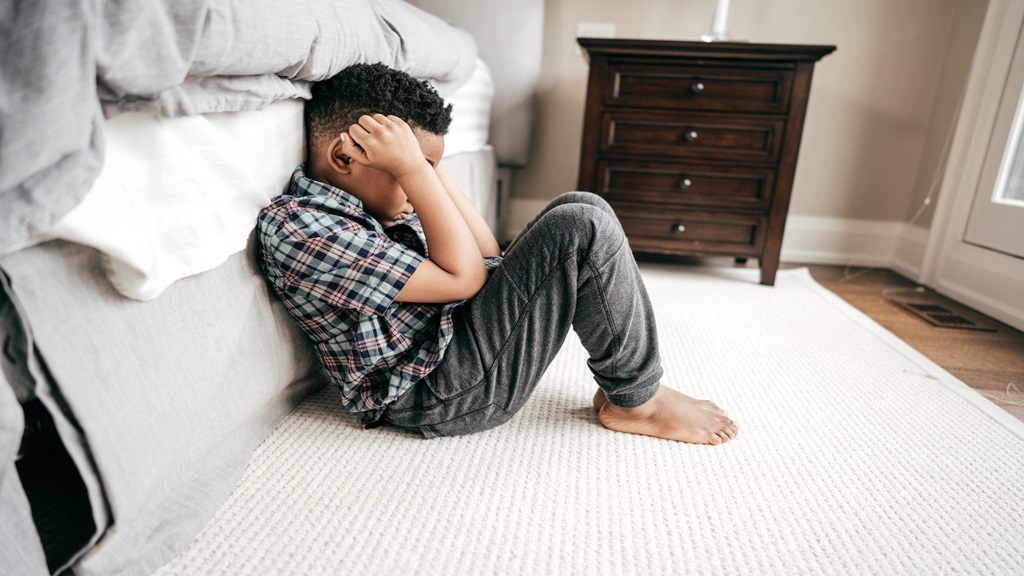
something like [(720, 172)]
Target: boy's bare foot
[(670, 415)]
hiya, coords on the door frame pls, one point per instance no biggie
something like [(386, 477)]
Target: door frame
[(987, 280)]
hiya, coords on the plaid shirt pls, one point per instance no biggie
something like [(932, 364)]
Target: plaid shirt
[(338, 273)]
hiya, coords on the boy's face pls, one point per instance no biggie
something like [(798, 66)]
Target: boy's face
[(380, 193)]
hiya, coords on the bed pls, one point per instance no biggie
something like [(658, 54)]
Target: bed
[(144, 358)]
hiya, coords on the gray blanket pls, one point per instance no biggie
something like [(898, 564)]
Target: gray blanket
[(159, 404), (65, 64)]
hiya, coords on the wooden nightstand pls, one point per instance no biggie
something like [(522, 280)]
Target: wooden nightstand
[(695, 144)]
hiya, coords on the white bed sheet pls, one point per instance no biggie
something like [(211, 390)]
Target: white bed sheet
[(178, 196)]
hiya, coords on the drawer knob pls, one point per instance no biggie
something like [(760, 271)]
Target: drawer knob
[(697, 88), (690, 135), (685, 183), (678, 228)]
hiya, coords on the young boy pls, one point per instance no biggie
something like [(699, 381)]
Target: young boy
[(415, 315)]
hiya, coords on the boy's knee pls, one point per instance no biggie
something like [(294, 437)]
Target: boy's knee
[(586, 224), (588, 198)]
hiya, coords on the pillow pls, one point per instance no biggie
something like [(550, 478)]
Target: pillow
[(178, 196), (471, 113)]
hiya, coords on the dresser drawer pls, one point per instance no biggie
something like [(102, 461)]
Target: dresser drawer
[(682, 135), (681, 232), (697, 87), (667, 184)]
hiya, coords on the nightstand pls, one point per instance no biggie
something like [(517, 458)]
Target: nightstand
[(695, 144)]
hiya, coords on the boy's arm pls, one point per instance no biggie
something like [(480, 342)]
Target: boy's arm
[(455, 270), (481, 231)]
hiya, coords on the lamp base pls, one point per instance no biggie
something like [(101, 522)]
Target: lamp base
[(719, 38), (715, 37)]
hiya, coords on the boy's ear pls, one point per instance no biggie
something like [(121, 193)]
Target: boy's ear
[(338, 160)]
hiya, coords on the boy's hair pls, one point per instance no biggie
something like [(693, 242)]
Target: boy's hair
[(338, 102)]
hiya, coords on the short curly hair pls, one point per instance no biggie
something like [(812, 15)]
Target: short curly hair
[(339, 102)]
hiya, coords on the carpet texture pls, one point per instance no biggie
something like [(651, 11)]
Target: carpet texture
[(856, 455)]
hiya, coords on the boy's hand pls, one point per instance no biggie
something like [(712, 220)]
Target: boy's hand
[(384, 143)]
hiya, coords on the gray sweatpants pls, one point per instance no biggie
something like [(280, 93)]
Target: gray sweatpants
[(570, 267)]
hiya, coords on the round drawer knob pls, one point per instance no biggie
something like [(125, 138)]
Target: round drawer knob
[(697, 88), (678, 228), (685, 183), (690, 135)]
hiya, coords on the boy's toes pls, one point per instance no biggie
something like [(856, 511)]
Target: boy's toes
[(722, 436)]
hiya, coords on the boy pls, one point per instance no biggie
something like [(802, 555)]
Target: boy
[(413, 312)]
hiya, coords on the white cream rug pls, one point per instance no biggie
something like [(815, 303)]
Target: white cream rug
[(856, 455)]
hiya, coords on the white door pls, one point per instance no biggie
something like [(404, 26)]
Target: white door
[(973, 255), (996, 220)]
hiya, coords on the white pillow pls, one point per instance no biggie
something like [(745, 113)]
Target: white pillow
[(178, 196), (471, 113)]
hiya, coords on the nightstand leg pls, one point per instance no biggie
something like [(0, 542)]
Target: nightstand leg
[(768, 269)]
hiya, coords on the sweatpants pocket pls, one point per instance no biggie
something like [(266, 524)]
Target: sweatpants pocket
[(478, 420)]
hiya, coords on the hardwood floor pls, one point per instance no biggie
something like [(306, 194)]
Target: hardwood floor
[(990, 362)]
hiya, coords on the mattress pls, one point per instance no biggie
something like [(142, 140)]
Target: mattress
[(178, 196)]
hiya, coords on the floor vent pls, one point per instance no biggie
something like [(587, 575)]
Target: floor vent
[(942, 314)]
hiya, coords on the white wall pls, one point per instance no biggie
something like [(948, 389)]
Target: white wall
[(879, 110)]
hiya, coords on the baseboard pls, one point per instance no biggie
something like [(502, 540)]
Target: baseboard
[(908, 257), (820, 240)]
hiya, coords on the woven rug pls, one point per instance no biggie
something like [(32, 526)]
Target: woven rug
[(856, 455)]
